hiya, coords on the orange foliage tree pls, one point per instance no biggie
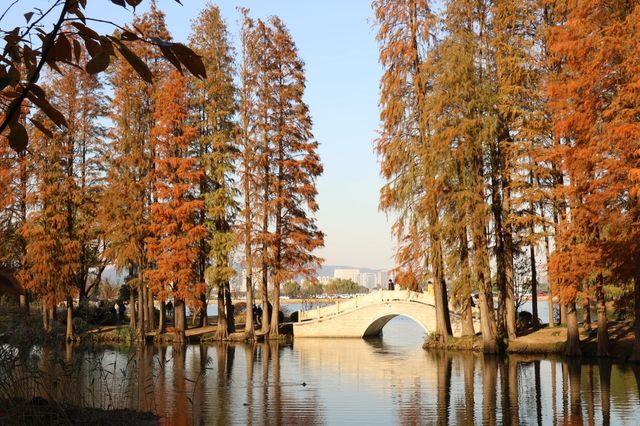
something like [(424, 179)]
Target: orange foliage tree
[(130, 188), (175, 234), (595, 112), (297, 166)]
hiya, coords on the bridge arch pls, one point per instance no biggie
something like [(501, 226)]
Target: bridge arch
[(375, 328)]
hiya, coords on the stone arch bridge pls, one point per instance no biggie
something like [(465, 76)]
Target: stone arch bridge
[(365, 315)]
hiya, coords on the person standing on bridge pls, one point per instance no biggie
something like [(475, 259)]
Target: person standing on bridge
[(392, 286)]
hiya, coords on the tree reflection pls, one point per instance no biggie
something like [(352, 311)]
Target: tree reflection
[(469, 365), (250, 355), (604, 370), (183, 388), (225, 356), (180, 416), (575, 415), (536, 374), (444, 387), (489, 389)]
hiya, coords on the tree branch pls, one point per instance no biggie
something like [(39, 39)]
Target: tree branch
[(8, 9), (14, 106)]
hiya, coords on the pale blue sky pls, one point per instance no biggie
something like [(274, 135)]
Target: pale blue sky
[(336, 40)]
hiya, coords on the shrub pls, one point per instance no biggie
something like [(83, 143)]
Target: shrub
[(104, 315)]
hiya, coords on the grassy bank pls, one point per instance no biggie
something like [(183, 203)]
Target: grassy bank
[(546, 341)]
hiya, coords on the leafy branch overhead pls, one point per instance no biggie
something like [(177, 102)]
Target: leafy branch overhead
[(73, 42)]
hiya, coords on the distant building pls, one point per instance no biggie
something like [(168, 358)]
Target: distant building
[(382, 278), (367, 279), (347, 274)]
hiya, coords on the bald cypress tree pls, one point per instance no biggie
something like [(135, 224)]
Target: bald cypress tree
[(246, 143), (596, 120), (173, 222), (297, 166), (61, 236), (409, 158), (130, 189), (216, 105)]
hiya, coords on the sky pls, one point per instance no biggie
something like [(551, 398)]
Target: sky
[(336, 39)]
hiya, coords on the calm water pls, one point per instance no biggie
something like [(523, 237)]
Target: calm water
[(345, 381)]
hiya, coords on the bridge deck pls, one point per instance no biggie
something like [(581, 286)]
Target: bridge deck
[(360, 301)]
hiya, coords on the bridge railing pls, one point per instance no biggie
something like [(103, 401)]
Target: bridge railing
[(360, 301)]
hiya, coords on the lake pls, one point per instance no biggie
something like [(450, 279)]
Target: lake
[(389, 380)]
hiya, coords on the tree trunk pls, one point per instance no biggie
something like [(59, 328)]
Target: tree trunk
[(231, 310), (487, 320), (180, 319), (141, 333), (489, 342), (443, 320), (275, 321), (563, 314), (467, 312), (132, 310), (152, 310), (248, 326), (534, 287), (635, 353), (53, 314), (24, 304), (586, 314), (145, 308), (549, 292), (481, 264), (500, 233), (221, 332), (162, 318), (603, 331), (572, 346), (510, 300), (467, 318), (45, 318), (203, 310), (266, 321), (69, 336)]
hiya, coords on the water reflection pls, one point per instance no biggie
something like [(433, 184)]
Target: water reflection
[(344, 381)]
